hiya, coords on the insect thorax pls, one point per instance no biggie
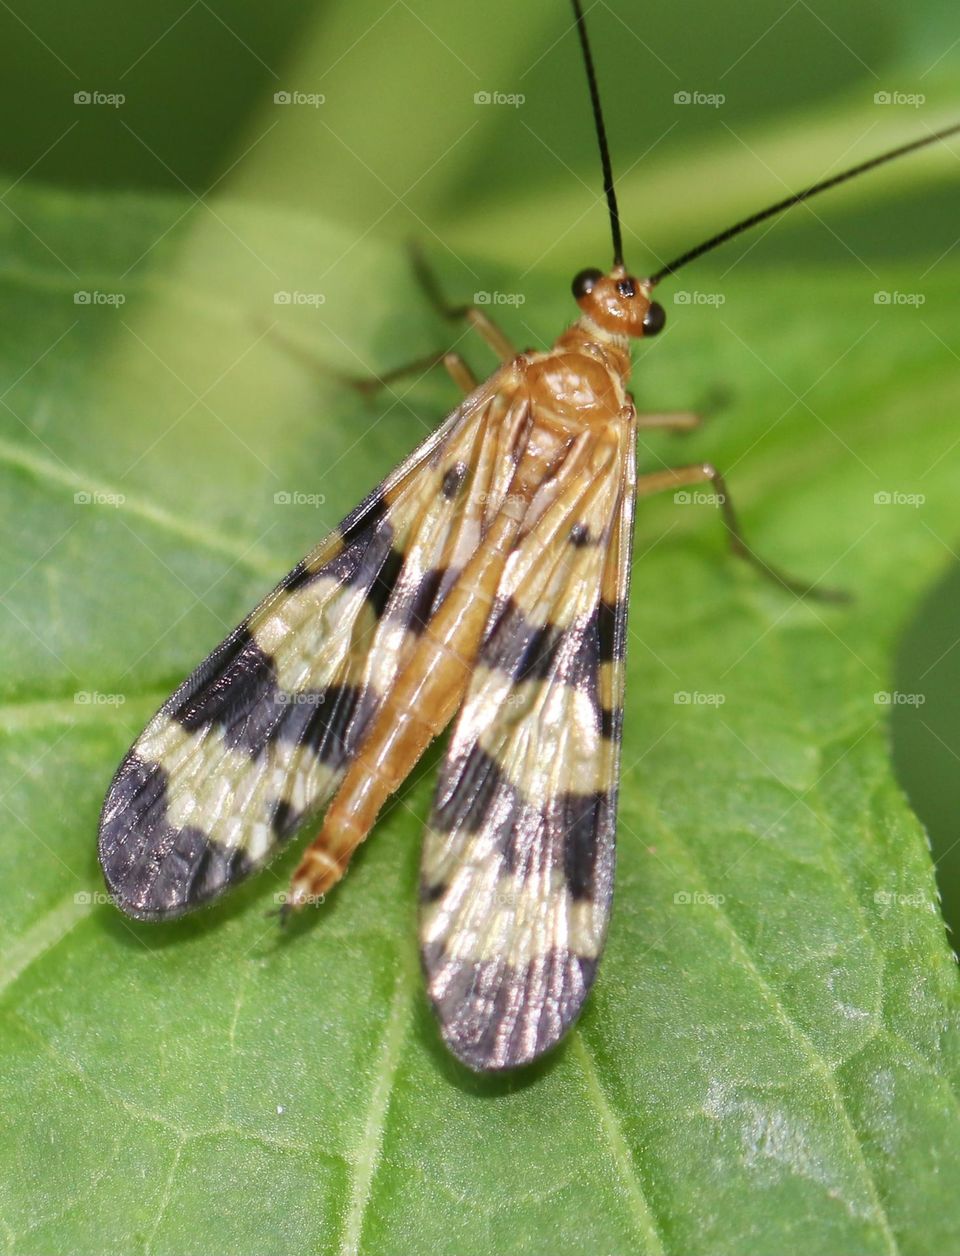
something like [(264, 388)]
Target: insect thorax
[(581, 380)]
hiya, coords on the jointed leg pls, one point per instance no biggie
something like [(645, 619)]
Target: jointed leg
[(477, 319), (504, 349), (684, 420), (672, 420), (454, 364), (706, 473), (461, 374)]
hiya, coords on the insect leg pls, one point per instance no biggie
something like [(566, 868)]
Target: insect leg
[(686, 420), (477, 319), (674, 420), (452, 362), (459, 372), (503, 347), (369, 384), (706, 473)]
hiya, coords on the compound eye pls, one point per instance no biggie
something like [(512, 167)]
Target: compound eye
[(655, 319), (584, 282)]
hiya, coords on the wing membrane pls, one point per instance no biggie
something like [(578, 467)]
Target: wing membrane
[(518, 858), (257, 738)]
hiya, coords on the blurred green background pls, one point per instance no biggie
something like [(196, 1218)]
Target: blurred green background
[(399, 146), (399, 118)]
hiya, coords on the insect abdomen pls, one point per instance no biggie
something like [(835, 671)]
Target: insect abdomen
[(425, 695), (420, 705)]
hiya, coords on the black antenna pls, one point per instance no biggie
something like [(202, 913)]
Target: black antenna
[(601, 136), (797, 197)]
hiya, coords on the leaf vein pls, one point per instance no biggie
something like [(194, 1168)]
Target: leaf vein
[(367, 1156), (47, 470), (815, 1060), (47, 932), (620, 1153)]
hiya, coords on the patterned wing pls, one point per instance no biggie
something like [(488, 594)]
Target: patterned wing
[(518, 859), (258, 737)]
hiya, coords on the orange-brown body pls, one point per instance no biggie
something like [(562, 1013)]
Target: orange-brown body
[(574, 391)]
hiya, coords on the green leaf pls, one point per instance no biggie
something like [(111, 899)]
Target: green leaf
[(771, 1049)]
